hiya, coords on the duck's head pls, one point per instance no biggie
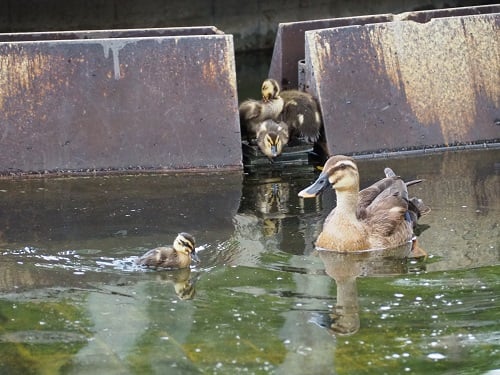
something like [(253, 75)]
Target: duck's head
[(185, 243), (271, 137), (339, 171), (270, 89)]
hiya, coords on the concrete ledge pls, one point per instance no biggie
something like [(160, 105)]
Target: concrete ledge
[(290, 41), (290, 37), (404, 84), (151, 99)]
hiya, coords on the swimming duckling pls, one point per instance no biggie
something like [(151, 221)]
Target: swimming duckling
[(179, 256), (271, 137), (254, 112), (302, 115), (376, 217)]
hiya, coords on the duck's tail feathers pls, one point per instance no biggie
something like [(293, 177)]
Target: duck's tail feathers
[(413, 182), (389, 172)]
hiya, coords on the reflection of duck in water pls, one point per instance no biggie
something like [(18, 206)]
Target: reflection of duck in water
[(267, 198), (271, 202), (272, 198), (344, 268), (178, 256), (379, 216), (184, 284)]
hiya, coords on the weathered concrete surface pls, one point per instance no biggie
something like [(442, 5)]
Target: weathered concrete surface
[(253, 23), (290, 41), (289, 50), (115, 102), (405, 84)]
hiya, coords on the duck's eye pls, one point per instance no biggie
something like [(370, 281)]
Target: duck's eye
[(186, 244)]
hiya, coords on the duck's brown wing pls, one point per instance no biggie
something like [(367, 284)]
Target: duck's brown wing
[(378, 191), (385, 211), (250, 109), (157, 257), (150, 258)]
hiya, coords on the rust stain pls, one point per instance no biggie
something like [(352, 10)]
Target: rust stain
[(218, 63), (24, 74), (219, 68), (442, 67), (322, 56), (18, 71)]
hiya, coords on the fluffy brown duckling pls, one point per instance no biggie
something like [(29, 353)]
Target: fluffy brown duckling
[(272, 137), (302, 115), (373, 218), (178, 256), (254, 112)]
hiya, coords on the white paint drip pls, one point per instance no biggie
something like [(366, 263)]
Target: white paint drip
[(114, 46)]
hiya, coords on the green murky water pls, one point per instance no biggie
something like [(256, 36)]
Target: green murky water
[(71, 301)]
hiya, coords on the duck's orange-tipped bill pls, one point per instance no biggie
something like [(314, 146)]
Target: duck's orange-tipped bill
[(306, 194), (316, 188)]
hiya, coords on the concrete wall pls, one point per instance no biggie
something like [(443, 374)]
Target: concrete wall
[(117, 101), (253, 23)]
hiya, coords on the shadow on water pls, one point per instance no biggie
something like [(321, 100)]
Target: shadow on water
[(261, 300)]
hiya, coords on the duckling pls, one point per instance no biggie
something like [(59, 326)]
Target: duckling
[(302, 115), (271, 137), (254, 112), (178, 256), (375, 217)]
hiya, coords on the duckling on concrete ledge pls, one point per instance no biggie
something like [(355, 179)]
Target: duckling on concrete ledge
[(271, 137), (178, 256), (380, 216), (302, 115), (254, 112)]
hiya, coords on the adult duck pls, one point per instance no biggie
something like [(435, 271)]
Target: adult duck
[(380, 216)]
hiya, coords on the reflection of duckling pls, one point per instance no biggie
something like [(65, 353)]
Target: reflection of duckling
[(271, 227), (271, 199), (167, 257), (376, 217), (184, 284), (254, 112), (271, 137), (302, 115)]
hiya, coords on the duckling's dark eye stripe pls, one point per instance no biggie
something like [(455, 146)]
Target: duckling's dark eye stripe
[(187, 244)]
